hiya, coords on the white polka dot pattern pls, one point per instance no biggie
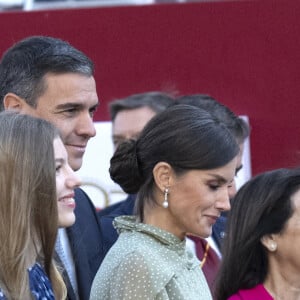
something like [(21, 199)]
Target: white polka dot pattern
[(147, 262)]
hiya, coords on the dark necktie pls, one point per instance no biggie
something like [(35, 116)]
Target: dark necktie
[(210, 261)]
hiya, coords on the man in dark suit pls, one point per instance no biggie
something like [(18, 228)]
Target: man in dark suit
[(48, 78)]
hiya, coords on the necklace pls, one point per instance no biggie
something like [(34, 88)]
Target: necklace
[(205, 255)]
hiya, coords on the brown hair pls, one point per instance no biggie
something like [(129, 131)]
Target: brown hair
[(28, 204)]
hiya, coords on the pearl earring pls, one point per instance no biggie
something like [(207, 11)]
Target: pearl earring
[(165, 204), (273, 247)]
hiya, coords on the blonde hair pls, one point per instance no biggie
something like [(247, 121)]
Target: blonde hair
[(28, 204)]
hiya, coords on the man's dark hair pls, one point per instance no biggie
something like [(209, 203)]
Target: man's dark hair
[(157, 101), (24, 65)]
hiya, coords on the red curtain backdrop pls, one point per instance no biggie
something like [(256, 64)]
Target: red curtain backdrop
[(244, 53)]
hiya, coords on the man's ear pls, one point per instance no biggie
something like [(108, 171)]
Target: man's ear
[(13, 102), (162, 173)]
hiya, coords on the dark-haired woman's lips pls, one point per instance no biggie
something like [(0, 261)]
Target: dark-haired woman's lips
[(212, 219)]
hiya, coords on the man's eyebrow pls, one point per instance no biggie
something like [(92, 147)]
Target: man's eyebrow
[(69, 105), (117, 136)]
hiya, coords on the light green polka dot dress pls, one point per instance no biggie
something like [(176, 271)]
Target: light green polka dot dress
[(147, 262)]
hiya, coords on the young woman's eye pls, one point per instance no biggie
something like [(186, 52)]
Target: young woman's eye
[(58, 167)]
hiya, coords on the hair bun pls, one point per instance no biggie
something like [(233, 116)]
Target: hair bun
[(124, 167)]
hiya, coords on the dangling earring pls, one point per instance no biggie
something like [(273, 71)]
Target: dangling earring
[(165, 204)]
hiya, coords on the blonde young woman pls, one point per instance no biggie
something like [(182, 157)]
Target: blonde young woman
[(36, 186)]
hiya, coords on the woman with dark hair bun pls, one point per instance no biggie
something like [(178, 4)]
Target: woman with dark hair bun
[(181, 166)]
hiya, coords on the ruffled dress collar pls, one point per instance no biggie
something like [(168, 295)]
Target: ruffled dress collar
[(129, 223)]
